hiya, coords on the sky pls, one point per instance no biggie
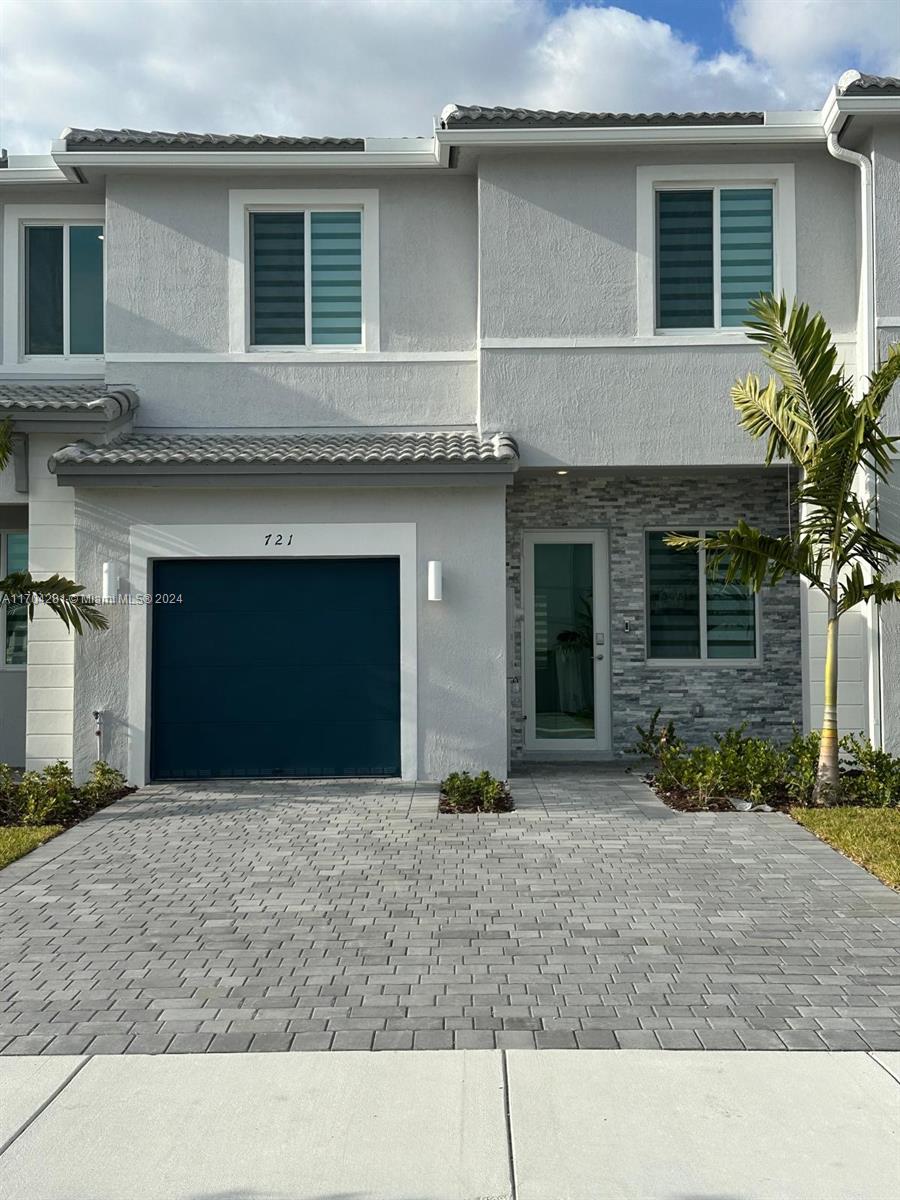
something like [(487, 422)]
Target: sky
[(383, 68)]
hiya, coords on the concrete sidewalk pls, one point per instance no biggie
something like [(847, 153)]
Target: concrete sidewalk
[(465, 1125)]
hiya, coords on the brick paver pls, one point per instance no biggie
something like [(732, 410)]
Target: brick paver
[(349, 915)]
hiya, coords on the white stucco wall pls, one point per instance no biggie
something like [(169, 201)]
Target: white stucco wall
[(461, 676), (558, 260), (307, 394)]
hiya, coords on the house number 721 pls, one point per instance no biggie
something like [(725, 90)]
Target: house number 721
[(278, 539)]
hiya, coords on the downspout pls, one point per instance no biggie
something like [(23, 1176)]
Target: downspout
[(866, 360)]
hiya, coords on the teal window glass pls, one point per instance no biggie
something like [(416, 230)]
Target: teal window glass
[(16, 616), (730, 617), (85, 289), (747, 252), (564, 640), (277, 284), (673, 599), (44, 330), (336, 278), (684, 268), (63, 315)]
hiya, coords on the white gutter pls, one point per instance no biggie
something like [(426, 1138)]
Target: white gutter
[(643, 135), (834, 117), (34, 169), (390, 157)]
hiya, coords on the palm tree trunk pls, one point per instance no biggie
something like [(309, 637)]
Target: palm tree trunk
[(828, 779)]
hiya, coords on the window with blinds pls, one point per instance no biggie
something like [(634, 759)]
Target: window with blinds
[(306, 278), (693, 615), (714, 253)]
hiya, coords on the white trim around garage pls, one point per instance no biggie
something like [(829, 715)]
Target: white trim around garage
[(152, 542)]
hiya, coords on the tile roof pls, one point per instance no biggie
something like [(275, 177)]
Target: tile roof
[(474, 116), (129, 139), (853, 83), (359, 449), (66, 398)]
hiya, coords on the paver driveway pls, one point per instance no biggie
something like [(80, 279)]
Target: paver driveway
[(350, 915)]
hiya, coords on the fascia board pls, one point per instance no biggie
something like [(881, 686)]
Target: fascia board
[(254, 160), (645, 136), (289, 475)]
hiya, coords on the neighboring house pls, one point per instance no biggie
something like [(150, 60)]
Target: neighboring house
[(390, 432)]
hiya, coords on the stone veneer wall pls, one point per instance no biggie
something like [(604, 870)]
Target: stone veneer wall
[(767, 696)]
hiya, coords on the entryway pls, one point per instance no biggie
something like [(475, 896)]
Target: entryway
[(275, 668), (566, 643)]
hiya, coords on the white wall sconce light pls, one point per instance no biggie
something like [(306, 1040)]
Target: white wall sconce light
[(435, 580), (110, 586)]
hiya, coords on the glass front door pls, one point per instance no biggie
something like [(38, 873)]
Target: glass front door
[(565, 642)]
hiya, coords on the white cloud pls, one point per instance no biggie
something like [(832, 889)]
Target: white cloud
[(807, 44), (382, 67)]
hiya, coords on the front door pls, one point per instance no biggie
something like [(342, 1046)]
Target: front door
[(566, 644)]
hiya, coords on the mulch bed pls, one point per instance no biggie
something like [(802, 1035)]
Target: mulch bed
[(684, 802)]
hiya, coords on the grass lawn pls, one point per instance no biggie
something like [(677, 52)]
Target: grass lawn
[(870, 836), (16, 841)]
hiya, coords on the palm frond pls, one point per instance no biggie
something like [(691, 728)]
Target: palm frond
[(62, 596), (763, 412), (854, 590), (800, 350), (882, 380), (748, 556), (5, 442)]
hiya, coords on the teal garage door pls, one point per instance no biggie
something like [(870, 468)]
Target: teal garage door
[(275, 668)]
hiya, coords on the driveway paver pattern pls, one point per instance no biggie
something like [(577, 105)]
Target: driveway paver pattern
[(234, 916)]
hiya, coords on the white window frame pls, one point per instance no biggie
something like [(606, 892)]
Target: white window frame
[(704, 660), (242, 203), (15, 219), (653, 179), (4, 571)]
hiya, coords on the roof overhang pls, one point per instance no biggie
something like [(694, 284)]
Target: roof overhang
[(281, 475), (786, 127), (376, 156), (110, 411)]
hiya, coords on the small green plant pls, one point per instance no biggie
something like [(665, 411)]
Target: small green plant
[(462, 792), (753, 769), (871, 777), (51, 797), (655, 739)]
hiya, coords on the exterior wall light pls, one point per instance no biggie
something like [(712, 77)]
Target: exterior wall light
[(435, 580), (562, 472), (110, 588)]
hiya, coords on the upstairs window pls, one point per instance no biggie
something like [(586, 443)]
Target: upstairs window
[(306, 278), (715, 252), (63, 289), (691, 615)]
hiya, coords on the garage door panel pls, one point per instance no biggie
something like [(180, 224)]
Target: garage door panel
[(276, 668)]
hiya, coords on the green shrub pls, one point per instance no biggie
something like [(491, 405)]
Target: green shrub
[(104, 784), (870, 777), (461, 792), (50, 797), (757, 770)]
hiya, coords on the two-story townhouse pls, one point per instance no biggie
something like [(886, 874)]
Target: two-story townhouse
[(376, 441)]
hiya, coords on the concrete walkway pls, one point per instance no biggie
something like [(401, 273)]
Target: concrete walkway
[(339, 915), (475, 1125)]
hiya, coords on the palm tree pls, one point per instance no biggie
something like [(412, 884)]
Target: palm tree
[(809, 417), (59, 594)]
